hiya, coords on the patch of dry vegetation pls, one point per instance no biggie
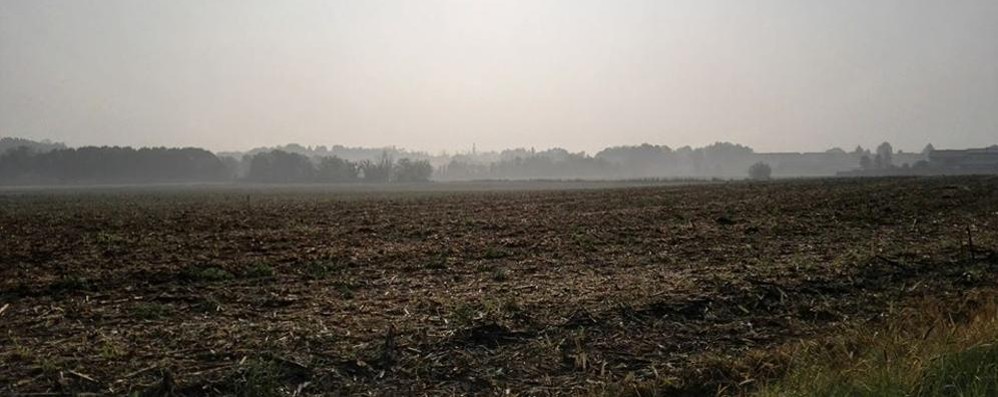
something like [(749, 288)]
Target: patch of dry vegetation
[(930, 347), (934, 349)]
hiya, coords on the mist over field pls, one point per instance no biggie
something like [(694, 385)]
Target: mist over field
[(494, 90), (441, 75), (26, 162)]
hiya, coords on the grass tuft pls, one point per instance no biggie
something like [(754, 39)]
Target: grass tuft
[(920, 353), (318, 270), (71, 282), (500, 275), (150, 311), (495, 253), (207, 274), (260, 270), (262, 378)]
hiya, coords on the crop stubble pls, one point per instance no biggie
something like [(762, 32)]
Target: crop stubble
[(535, 292)]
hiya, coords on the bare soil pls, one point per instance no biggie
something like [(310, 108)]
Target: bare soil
[(256, 292)]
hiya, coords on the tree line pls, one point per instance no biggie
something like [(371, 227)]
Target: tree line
[(720, 159), (22, 165), (32, 165), (52, 163), (8, 143), (277, 166)]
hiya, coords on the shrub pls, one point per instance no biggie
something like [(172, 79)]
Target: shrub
[(760, 171)]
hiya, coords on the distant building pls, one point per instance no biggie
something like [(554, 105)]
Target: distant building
[(965, 161)]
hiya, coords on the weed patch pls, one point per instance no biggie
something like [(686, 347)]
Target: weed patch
[(318, 270), (493, 253), (262, 378), (922, 353), (150, 311), (206, 274), (260, 270), (71, 283)]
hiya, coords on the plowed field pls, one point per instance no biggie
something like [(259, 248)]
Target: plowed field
[(527, 292)]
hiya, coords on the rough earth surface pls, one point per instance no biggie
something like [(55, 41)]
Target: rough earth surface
[(205, 292)]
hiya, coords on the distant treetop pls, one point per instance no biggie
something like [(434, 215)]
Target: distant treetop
[(7, 143)]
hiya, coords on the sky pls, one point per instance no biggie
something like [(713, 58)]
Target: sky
[(435, 75)]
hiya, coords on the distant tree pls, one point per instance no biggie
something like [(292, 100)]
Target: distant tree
[(91, 164), (8, 143), (550, 165), (333, 169), (835, 150), (726, 149), (865, 162), (280, 166), (760, 171), (233, 168), (886, 155), (456, 170), (859, 150), (697, 162), (640, 161), (378, 171), (413, 171), (16, 164), (928, 149), (555, 154)]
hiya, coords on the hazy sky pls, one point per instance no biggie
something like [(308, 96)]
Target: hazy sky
[(233, 74)]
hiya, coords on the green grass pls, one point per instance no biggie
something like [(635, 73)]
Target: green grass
[(438, 262), (71, 283), (260, 270), (500, 275), (345, 289), (109, 350), (150, 311), (261, 378), (921, 353), (207, 305), (971, 372), (585, 241), (206, 274), (318, 270), (495, 253)]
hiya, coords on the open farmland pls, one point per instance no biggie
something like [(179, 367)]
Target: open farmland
[(531, 292)]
